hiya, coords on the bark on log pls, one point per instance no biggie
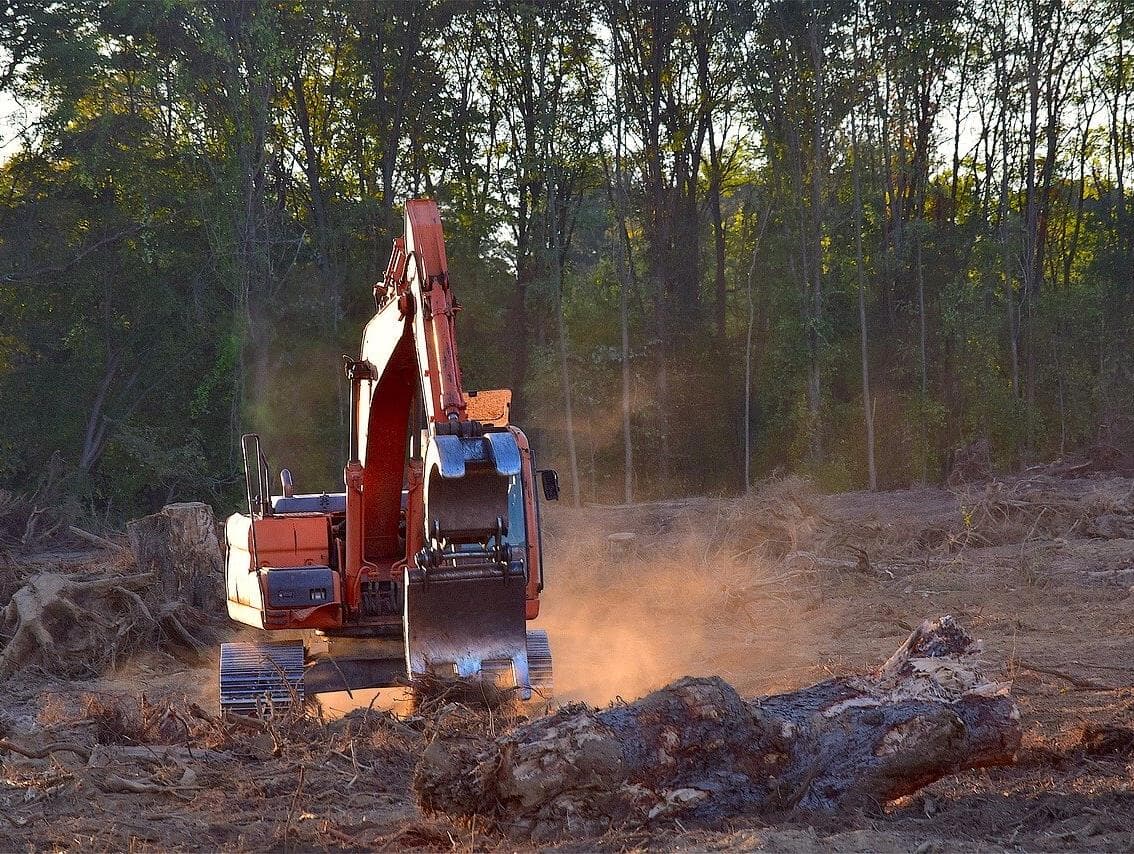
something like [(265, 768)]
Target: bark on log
[(179, 546), (698, 751)]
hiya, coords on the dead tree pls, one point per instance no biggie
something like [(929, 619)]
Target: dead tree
[(698, 751)]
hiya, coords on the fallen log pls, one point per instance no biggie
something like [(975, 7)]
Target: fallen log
[(697, 751), (95, 539)]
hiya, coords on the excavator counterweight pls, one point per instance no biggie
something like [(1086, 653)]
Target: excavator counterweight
[(429, 560)]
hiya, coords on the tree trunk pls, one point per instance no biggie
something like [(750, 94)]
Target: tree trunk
[(623, 267), (1030, 267), (748, 355), (179, 546), (624, 325), (868, 414), (818, 169), (1003, 212), (923, 357), (561, 321), (94, 438), (698, 752), (720, 289)]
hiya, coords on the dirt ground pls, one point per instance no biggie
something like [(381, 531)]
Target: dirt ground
[(772, 592)]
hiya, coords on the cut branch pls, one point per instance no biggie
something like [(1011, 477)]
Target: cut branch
[(95, 540)]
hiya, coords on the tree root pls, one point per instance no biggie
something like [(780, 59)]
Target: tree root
[(45, 751), (72, 626)]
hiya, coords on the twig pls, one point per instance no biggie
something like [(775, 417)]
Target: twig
[(79, 256), (114, 783), (1035, 525), (339, 836), (1078, 682), (45, 751), (294, 802), (246, 721)]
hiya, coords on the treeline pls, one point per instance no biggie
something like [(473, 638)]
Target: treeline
[(702, 240)]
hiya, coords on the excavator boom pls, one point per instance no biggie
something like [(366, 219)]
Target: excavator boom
[(464, 589)]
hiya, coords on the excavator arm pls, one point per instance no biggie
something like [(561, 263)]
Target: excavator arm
[(464, 586)]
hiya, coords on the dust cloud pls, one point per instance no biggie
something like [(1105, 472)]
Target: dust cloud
[(705, 587), (700, 590)]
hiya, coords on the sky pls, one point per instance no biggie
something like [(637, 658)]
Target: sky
[(14, 117)]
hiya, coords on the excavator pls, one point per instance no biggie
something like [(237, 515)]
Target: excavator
[(429, 562)]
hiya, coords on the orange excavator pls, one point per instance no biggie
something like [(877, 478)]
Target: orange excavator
[(429, 561)]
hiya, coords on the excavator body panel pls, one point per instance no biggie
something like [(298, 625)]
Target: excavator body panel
[(291, 585)]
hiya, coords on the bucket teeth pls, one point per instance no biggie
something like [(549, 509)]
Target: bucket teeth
[(469, 626), (256, 676)]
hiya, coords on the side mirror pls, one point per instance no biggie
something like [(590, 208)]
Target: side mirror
[(549, 479)]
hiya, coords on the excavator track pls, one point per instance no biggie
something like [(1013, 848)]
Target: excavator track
[(255, 677), (540, 674)]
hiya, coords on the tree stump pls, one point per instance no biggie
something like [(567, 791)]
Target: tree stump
[(970, 463), (697, 751), (179, 546)]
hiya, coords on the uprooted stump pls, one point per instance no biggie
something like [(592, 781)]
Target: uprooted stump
[(72, 626), (698, 751)]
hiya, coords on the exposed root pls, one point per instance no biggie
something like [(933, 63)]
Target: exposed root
[(72, 626), (180, 640), (45, 751)]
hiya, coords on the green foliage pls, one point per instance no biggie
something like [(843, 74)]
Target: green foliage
[(190, 230)]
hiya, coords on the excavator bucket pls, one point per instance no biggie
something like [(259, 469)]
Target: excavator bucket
[(468, 624), (464, 598)]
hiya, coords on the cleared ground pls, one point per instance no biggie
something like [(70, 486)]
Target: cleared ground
[(771, 592)]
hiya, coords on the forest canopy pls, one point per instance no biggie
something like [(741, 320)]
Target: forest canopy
[(702, 241)]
